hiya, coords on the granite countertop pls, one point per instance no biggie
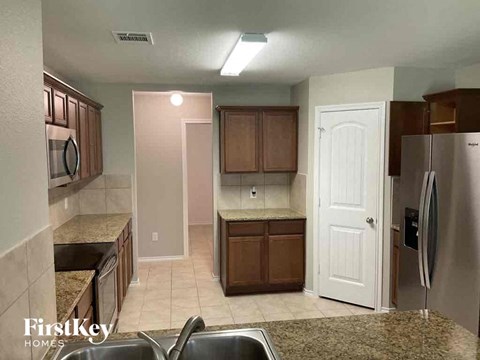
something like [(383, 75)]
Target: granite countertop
[(70, 286), (260, 214), (91, 229), (395, 227), (397, 335)]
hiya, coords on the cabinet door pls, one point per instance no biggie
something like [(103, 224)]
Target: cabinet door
[(286, 259), (128, 250), (406, 118), (83, 140), (98, 141), (279, 130), (245, 261), (92, 139), (47, 103), (59, 108), (240, 142), (395, 265), (72, 114), (120, 271), (125, 270)]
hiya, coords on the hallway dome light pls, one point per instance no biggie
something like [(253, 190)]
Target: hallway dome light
[(176, 99)]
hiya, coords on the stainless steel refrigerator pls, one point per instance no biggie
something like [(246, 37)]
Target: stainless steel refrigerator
[(440, 227)]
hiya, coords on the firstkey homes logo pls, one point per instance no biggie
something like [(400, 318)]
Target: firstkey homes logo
[(74, 327)]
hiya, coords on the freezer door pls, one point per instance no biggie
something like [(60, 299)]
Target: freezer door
[(413, 182), (455, 280)]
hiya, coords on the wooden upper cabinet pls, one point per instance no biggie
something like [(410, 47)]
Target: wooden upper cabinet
[(72, 113), (47, 103), (279, 134), (92, 139), (240, 141), (83, 140), (406, 118), (59, 108), (454, 111), (98, 141), (258, 139)]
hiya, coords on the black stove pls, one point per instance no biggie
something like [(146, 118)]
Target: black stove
[(74, 257)]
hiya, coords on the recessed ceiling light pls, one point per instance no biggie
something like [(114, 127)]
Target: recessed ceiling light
[(176, 99), (247, 47)]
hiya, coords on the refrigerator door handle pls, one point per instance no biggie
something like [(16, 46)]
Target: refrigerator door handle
[(426, 228), (420, 228)]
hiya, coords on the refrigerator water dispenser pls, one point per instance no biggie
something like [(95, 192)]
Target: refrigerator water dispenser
[(411, 228)]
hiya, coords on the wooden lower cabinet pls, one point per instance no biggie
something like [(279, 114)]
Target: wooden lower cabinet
[(285, 259), (125, 263), (84, 307), (395, 265), (245, 261), (253, 260)]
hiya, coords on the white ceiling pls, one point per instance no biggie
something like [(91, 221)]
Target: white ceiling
[(306, 37)]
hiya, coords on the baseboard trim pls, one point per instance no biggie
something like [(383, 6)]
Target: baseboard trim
[(308, 292), (160, 258), (200, 223), (215, 277), (386, 309)]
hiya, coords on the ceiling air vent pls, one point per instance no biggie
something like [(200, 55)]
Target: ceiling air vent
[(133, 37)]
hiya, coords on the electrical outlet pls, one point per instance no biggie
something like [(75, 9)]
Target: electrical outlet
[(253, 192), (66, 203), (154, 236)]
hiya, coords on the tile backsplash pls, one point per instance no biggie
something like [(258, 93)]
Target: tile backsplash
[(106, 194), (27, 290), (273, 191)]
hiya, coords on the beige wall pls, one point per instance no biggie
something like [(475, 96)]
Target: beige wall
[(200, 173), (468, 77), (158, 140), (27, 283), (410, 84)]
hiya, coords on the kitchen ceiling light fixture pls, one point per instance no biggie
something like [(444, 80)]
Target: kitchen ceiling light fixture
[(247, 47), (176, 99)]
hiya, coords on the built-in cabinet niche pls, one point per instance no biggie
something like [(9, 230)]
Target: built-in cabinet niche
[(258, 139), (66, 107)]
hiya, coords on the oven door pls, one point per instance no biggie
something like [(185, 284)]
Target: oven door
[(63, 156), (107, 293)]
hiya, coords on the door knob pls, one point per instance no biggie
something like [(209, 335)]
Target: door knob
[(369, 220)]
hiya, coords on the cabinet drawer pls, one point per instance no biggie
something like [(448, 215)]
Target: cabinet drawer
[(246, 228), (286, 227), (85, 302)]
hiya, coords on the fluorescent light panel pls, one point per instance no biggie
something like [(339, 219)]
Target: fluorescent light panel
[(247, 47)]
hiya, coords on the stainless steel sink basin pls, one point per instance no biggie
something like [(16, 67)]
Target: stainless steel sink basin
[(252, 344)]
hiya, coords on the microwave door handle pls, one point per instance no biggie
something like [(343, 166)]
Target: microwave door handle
[(109, 271), (77, 152), (426, 229), (420, 228)]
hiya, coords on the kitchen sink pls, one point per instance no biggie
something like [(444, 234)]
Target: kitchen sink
[(252, 344)]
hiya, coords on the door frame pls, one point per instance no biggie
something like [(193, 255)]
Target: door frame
[(185, 122), (381, 106)]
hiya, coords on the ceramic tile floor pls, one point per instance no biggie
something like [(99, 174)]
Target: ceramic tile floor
[(170, 292)]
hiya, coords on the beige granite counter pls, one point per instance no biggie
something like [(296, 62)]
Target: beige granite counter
[(395, 227), (70, 286), (91, 229), (260, 214), (398, 335)]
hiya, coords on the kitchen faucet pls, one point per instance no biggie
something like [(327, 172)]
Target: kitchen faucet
[(194, 324)]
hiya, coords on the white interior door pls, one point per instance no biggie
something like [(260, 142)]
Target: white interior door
[(348, 188)]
